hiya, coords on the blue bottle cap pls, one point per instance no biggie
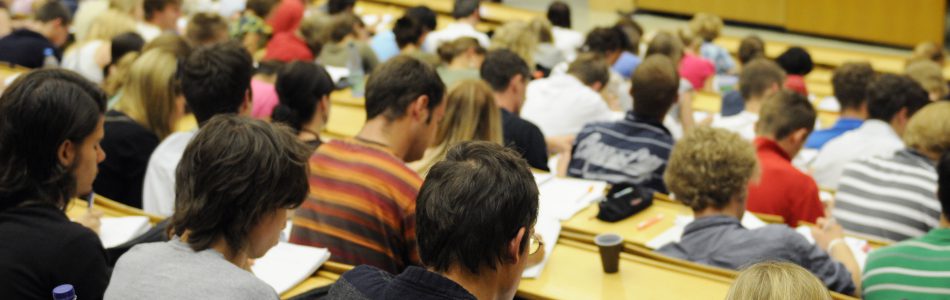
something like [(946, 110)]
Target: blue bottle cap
[(48, 52), (64, 292)]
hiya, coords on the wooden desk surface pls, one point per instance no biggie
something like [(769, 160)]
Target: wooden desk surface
[(586, 222), (493, 12), (320, 279), (574, 272)]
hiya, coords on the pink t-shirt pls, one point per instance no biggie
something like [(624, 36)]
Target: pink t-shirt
[(265, 99), (696, 69), (797, 84)]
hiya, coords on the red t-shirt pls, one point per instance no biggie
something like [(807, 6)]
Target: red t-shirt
[(286, 47), (783, 190), (796, 83)]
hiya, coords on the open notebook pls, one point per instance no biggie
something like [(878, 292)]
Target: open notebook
[(562, 198), (116, 231), (287, 265)]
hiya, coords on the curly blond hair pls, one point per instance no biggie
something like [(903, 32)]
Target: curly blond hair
[(929, 129), (709, 167)]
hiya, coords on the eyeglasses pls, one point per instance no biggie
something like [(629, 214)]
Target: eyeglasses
[(534, 243)]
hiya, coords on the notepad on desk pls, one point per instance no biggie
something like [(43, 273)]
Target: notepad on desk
[(859, 247), (287, 265), (549, 230), (116, 231), (562, 198)]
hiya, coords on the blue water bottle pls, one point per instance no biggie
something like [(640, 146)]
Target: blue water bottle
[(64, 292)]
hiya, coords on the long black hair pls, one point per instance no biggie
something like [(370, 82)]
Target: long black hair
[(38, 113), (300, 86)]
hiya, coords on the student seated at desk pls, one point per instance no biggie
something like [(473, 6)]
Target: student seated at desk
[(565, 38), (467, 14), (238, 179), (304, 90), (215, 80), (362, 201), (916, 268), (709, 171), (347, 32), (894, 197), (708, 26), (46, 31), (850, 83), (751, 47), (475, 225), (50, 125), (633, 150), (786, 120), (892, 101), (205, 29), (561, 104), (797, 63), (777, 281), (759, 79), (410, 33), (461, 59)]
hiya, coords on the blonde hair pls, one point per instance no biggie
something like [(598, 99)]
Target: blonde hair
[(928, 51), (709, 167), (109, 24), (929, 129), (448, 51), (130, 7), (117, 77), (777, 281), (470, 115), (706, 25), (929, 75), (150, 92), (543, 27), (518, 37)]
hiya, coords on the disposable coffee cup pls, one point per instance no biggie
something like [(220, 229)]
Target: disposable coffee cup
[(610, 245)]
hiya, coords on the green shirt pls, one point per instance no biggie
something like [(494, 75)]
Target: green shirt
[(914, 269)]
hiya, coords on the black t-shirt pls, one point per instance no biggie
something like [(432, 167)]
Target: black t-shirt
[(526, 138), (25, 48), (128, 146), (41, 249)]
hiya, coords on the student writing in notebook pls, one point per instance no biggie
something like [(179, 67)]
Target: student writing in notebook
[(51, 123), (475, 226), (236, 182)]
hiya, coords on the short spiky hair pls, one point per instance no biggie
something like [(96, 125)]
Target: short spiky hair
[(472, 205), (234, 172)]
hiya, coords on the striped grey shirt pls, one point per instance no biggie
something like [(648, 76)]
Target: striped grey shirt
[(889, 198)]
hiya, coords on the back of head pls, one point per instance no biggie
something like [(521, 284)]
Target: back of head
[(517, 36), (300, 88), (929, 75), (655, 85), (171, 43), (928, 131), (709, 167), (928, 51), (632, 30), (559, 13), (206, 29), (261, 8), (666, 43), (234, 172), (758, 76), (465, 8), (706, 25), (40, 111), (128, 7), (343, 25), (398, 82), (407, 31), (125, 43), (424, 16), (151, 90), (500, 66), (751, 47), (215, 79), (448, 51), (53, 10), (778, 281), (943, 183), (472, 205), (605, 39), (542, 28), (153, 6), (784, 113), (795, 61), (850, 82), (470, 114), (590, 68), (888, 94), (340, 6), (109, 24)]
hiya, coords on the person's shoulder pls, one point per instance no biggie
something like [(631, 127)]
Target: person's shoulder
[(362, 282), (778, 236)]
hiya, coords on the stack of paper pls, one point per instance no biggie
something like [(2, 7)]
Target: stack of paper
[(859, 247), (549, 230), (116, 231), (562, 198), (287, 265)]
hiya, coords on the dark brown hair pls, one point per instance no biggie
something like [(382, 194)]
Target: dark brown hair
[(758, 76), (655, 87), (784, 113), (850, 82)]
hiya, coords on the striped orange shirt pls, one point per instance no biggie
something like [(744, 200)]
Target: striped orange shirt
[(361, 206)]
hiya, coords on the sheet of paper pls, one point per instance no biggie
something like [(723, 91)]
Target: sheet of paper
[(337, 73), (286, 265), (549, 230), (117, 231), (542, 178), (750, 221), (562, 198), (859, 247)]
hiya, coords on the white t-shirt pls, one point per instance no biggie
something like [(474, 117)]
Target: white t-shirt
[(450, 33), (148, 31), (742, 123), (158, 194), (568, 41), (873, 138), (82, 60), (561, 105)]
